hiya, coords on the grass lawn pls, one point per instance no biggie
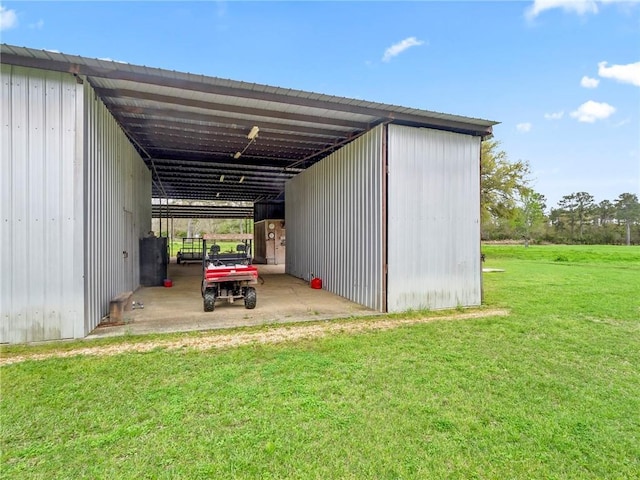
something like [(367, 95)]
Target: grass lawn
[(550, 391), (225, 246)]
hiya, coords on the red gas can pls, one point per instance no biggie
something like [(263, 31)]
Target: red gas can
[(316, 282), (168, 282)]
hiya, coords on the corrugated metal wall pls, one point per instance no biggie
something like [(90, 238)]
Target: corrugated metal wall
[(41, 230), (334, 221), (75, 196), (118, 209), (433, 219), (268, 209)]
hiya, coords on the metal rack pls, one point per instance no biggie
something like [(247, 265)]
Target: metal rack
[(192, 251)]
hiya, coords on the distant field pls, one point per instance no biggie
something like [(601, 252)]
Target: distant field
[(601, 254), (550, 391)]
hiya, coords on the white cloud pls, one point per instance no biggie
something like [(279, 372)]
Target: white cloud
[(629, 73), (38, 25), (398, 48), (8, 19), (554, 115), (524, 127), (627, 2), (581, 7), (588, 82), (591, 111)]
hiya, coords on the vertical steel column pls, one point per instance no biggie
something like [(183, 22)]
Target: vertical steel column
[(384, 214)]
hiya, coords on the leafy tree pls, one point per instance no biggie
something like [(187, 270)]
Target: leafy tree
[(584, 210), (556, 218), (628, 211), (578, 209), (568, 206), (501, 182), (529, 214), (606, 212)]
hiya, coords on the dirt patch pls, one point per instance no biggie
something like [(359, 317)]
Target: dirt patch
[(289, 333)]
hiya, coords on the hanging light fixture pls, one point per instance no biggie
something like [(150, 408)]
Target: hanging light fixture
[(253, 133), (252, 137)]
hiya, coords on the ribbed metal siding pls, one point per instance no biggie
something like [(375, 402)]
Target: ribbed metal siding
[(267, 210), (433, 219), (334, 221), (118, 207), (41, 279)]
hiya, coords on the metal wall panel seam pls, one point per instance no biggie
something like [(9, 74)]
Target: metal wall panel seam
[(20, 202), (52, 246), (78, 274), (37, 195), (6, 203)]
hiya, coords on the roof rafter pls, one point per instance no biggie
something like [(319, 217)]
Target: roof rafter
[(229, 108)]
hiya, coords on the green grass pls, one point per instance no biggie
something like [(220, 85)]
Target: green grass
[(594, 254), (551, 391), (225, 247)]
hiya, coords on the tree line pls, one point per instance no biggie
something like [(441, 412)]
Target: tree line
[(197, 227), (512, 210)]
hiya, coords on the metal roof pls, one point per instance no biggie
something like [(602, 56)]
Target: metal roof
[(174, 210), (189, 127)]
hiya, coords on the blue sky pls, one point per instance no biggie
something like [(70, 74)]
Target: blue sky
[(562, 76)]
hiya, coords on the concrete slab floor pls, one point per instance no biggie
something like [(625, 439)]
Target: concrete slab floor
[(281, 299)]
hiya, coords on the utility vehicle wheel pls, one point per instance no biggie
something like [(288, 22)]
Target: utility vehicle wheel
[(209, 301), (250, 298)]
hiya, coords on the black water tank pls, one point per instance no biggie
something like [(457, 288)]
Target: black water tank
[(153, 261)]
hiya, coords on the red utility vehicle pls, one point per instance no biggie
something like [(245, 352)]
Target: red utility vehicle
[(228, 280)]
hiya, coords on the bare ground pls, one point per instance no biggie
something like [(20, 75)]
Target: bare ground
[(216, 340)]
